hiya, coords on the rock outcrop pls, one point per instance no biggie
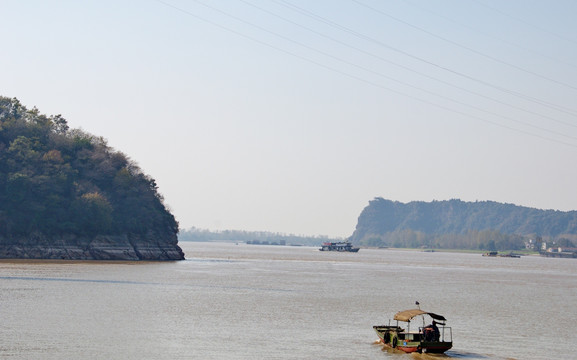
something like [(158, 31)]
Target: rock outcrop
[(123, 247), (66, 194)]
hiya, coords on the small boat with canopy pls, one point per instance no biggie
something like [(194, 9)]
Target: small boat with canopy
[(433, 338)]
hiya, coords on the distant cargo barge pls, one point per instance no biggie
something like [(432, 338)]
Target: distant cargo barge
[(339, 246), (496, 254)]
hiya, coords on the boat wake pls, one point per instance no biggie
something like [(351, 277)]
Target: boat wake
[(451, 354), (456, 354)]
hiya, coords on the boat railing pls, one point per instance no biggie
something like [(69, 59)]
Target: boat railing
[(448, 331)]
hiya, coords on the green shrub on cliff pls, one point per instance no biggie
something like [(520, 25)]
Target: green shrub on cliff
[(58, 181)]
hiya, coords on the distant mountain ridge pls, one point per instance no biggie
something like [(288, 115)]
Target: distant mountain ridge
[(262, 237), (436, 219)]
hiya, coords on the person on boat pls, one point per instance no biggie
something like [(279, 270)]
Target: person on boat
[(432, 332), (435, 331)]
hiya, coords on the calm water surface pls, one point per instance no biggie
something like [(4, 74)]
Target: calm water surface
[(230, 301)]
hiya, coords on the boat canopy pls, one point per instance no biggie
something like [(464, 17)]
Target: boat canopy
[(407, 315)]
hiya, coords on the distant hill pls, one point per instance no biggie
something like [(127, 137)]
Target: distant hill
[(457, 224), (262, 237), (65, 194)]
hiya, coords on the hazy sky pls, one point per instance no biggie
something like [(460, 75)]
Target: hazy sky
[(290, 116)]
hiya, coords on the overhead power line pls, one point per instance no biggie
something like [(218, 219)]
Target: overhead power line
[(467, 47), (333, 69), (526, 22), (419, 73), (490, 36), (428, 62)]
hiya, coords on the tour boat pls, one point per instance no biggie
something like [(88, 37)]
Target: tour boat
[(338, 246), (434, 338)]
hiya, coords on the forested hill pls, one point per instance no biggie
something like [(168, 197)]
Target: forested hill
[(458, 224), (66, 194), (253, 237)]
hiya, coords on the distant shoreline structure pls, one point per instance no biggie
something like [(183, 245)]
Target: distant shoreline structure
[(560, 254)]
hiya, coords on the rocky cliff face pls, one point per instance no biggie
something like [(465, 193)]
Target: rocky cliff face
[(457, 218), (124, 247)]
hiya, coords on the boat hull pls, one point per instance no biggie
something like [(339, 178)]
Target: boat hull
[(423, 347)]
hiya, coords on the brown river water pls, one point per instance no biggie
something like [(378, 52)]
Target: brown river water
[(229, 301)]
